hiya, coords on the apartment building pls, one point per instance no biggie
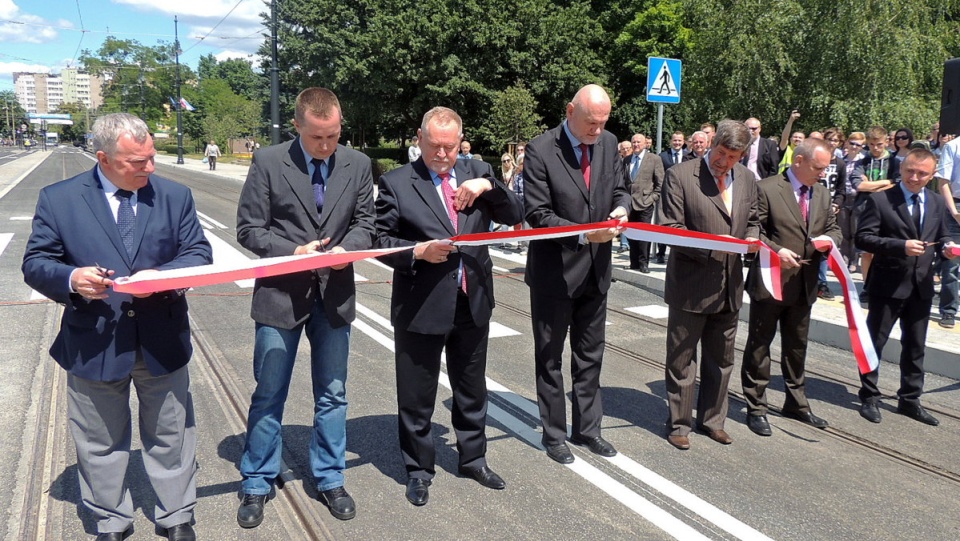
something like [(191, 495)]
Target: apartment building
[(43, 93)]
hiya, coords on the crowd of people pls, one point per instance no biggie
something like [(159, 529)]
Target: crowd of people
[(312, 194)]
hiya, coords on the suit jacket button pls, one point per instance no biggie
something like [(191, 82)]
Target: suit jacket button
[(131, 313)]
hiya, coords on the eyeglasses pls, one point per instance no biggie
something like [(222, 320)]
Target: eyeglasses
[(855, 144), (902, 137), (506, 161), (753, 128)]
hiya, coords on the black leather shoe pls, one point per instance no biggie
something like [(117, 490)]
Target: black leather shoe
[(250, 513), (181, 532), (870, 411), (560, 452), (597, 445), (417, 491), (115, 536), (806, 417), (644, 269), (340, 503), (485, 476), (759, 425), (661, 260), (917, 413)]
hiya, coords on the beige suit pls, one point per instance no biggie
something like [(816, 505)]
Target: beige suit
[(645, 184), (704, 290)]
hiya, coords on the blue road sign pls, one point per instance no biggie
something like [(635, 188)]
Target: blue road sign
[(663, 80)]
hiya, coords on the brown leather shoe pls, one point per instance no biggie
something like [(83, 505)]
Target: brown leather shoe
[(680, 442), (719, 436)]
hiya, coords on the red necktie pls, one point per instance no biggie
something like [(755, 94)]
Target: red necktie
[(585, 163), (804, 205), (448, 200)]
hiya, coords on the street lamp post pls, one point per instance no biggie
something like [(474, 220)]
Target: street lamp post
[(176, 50)]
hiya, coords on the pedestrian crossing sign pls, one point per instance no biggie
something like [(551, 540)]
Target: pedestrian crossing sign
[(663, 80)]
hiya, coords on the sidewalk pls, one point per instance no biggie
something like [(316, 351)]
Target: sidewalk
[(828, 322), (224, 170)]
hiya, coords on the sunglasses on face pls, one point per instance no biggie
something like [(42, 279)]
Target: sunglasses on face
[(855, 144), (902, 138)]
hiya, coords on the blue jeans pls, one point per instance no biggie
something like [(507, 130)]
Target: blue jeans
[(822, 273), (950, 274), (274, 353)]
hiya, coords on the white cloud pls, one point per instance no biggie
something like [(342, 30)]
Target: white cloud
[(26, 28), (8, 68), (247, 12)]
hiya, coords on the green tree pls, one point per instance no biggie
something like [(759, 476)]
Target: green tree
[(513, 117)]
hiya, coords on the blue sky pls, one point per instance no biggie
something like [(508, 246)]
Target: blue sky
[(49, 35)]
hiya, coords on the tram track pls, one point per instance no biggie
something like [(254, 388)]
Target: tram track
[(845, 436)]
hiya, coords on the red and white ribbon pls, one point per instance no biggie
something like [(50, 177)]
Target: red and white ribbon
[(208, 275), (769, 260), (860, 341)]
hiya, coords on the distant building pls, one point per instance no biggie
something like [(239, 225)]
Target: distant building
[(43, 92)]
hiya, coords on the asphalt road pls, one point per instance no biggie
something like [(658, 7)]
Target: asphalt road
[(896, 480)]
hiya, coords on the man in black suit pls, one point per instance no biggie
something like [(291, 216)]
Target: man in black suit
[(793, 207), (676, 153), (442, 295), (643, 174), (904, 227), (573, 175), (762, 156), (303, 196)]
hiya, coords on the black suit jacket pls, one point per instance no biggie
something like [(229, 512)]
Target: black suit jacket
[(555, 194), (782, 226), (74, 227), (768, 158), (883, 229), (277, 212), (667, 157), (409, 211)]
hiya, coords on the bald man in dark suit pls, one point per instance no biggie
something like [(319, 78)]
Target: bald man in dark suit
[(704, 288)]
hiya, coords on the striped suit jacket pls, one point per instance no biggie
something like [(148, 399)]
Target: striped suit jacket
[(698, 280)]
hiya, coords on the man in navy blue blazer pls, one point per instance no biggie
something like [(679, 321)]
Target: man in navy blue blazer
[(119, 219)]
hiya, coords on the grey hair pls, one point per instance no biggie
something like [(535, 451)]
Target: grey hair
[(732, 134), (442, 116), (108, 129), (810, 146)]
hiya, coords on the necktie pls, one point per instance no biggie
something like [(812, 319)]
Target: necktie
[(318, 184), (126, 220), (916, 212), (676, 157), (635, 167), (724, 194), (585, 163), (804, 204), (448, 199)]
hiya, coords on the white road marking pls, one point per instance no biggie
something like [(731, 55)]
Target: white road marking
[(656, 311), (4, 241), (36, 295), (204, 224), (499, 331), (211, 220), (629, 498), (224, 253), (20, 218)]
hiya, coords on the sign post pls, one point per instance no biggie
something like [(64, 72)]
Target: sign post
[(663, 86)]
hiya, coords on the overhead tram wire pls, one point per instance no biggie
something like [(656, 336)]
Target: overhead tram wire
[(83, 32), (199, 41)]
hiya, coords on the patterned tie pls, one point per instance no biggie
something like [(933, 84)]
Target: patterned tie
[(318, 184), (724, 194), (448, 200), (126, 220), (585, 163), (635, 168), (804, 205), (916, 213)]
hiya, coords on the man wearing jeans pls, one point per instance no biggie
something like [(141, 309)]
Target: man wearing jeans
[(307, 195), (948, 171)]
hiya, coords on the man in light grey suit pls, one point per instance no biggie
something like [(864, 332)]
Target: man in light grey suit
[(644, 171), (307, 195), (704, 288)]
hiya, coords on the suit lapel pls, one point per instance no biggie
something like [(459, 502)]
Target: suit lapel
[(297, 176), (569, 160), (927, 226), (900, 203), (335, 186), (146, 198), (790, 201), (97, 201), (709, 188), (423, 184)]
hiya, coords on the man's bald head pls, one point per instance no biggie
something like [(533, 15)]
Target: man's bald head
[(587, 113)]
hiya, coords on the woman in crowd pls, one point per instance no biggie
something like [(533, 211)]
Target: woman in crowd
[(852, 154), (901, 140), (212, 152)]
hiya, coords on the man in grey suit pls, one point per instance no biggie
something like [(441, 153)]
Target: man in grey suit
[(304, 196), (644, 171), (794, 207), (704, 288)]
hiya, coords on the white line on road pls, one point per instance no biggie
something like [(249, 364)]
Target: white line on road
[(20, 218), (224, 253), (635, 502), (4, 241), (211, 220)]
